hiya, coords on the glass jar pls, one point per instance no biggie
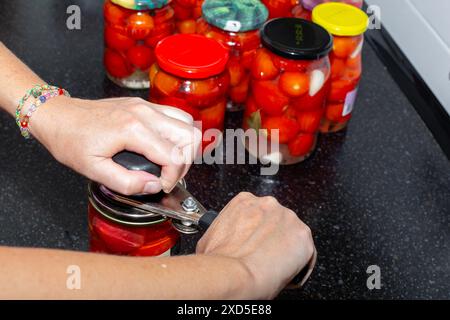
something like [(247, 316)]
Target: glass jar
[(280, 8), (187, 12), (304, 9), (290, 82), (239, 32), (132, 30), (347, 27), (118, 229), (191, 74)]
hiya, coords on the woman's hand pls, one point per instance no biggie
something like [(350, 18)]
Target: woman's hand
[(85, 135), (270, 241)]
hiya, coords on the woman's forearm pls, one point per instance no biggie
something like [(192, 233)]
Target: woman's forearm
[(15, 79), (42, 274)]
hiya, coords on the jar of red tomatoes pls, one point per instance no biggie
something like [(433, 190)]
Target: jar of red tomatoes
[(347, 24), (191, 74), (305, 7), (236, 25), (187, 12), (280, 8), (120, 229), (132, 30), (290, 82)]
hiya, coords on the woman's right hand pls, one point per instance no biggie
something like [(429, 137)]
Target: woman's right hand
[(269, 240)]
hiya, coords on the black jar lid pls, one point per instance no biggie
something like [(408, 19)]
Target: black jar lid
[(296, 39)]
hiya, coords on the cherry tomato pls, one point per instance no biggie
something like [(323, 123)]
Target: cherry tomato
[(116, 65), (187, 26), (114, 14), (214, 116), (294, 84), (140, 25), (269, 97), (236, 72), (302, 145), (337, 67), (238, 94), (166, 84), (181, 12), (309, 121), (250, 107), (167, 30), (290, 65), (316, 102), (263, 67), (340, 88), (288, 128), (343, 47), (115, 238), (180, 104), (334, 113), (114, 39), (247, 59), (354, 63), (141, 56), (279, 8), (203, 93)]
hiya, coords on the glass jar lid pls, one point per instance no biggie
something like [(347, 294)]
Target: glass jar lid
[(296, 39), (141, 4), (191, 56), (235, 15)]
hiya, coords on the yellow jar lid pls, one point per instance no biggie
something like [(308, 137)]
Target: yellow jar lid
[(341, 19)]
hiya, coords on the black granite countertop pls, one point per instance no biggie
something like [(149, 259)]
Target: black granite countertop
[(377, 194)]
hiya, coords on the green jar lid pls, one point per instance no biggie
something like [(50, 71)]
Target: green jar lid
[(141, 4), (235, 15)]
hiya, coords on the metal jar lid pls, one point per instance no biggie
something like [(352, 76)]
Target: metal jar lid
[(107, 204)]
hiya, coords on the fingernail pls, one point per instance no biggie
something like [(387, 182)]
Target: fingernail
[(152, 187)]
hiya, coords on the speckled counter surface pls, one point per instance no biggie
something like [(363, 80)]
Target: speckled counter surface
[(378, 194)]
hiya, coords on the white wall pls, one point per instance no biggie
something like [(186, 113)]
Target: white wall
[(421, 28)]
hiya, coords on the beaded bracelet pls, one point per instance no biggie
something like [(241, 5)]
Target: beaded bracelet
[(41, 94)]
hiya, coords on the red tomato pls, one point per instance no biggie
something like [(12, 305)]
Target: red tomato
[(279, 8), (116, 64), (180, 104), (337, 67), (239, 93), (166, 84), (141, 56), (302, 145), (294, 84), (354, 63), (263, 67), (316, 102), (288, 127), (247, 59), (115, 14), (236, 72), (214, 116), (269, 97), (309, 121), (203, 93), (140, 25), (116, 238), (155, 37), (187, 26), (334, 113), (339, 90), (156, 249), (114, 39), (181, 12), (343, 47)]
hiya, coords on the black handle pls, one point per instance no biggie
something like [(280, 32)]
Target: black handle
[(137, 162), (207, 219)]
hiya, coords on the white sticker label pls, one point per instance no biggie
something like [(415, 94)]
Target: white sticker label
[(349, 102), (233, 26)]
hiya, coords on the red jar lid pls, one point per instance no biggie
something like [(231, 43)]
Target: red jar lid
[(191, 56)]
